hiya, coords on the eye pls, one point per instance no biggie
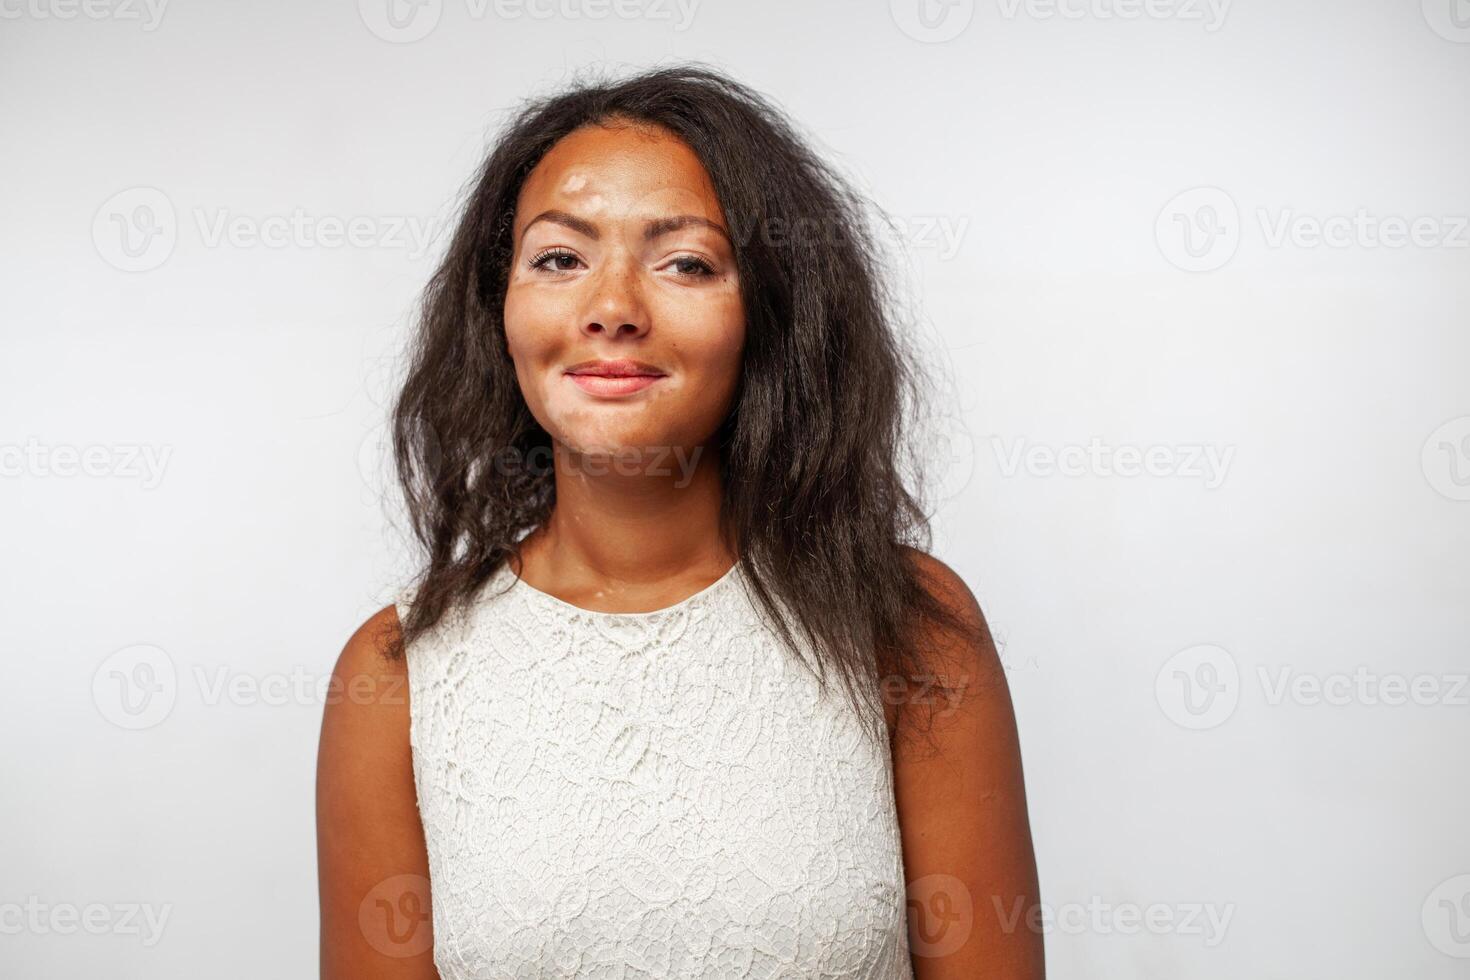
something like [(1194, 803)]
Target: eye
[(552, 257), (693, 267)]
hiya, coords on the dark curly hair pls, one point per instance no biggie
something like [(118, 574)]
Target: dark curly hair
[(817, 497)]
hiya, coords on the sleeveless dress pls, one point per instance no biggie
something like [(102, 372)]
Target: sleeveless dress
[(640, 795)]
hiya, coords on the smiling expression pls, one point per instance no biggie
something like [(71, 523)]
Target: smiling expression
[(623, 312)]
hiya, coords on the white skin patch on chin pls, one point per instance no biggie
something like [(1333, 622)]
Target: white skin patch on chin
[(604, 427), (587, 429)]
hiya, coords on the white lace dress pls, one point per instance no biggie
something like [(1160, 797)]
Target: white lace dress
[(637, 795)]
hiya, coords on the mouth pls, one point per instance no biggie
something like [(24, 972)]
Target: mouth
[(615, 377)]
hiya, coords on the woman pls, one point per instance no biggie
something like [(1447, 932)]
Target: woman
[(677, 694)]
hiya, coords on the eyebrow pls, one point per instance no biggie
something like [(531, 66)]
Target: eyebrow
[(652, 229)]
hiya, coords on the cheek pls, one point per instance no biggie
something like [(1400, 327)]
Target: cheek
[(537, 341), (530, 347), (533, 338), (523, 349), (725, 365), (713, 366), (523, 331), (725, 355)]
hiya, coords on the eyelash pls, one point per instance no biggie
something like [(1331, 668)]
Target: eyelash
[(540, 259)]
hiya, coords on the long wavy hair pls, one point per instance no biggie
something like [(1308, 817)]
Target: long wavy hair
[(819, 499)]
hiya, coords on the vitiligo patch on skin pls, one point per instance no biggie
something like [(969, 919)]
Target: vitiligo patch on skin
[(626, 295)]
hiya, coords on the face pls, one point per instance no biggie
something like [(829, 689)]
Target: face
[(623, 312)]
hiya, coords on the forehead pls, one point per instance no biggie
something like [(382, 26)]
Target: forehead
[(619, 169)]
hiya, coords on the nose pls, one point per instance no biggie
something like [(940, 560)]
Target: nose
[(615, 308)]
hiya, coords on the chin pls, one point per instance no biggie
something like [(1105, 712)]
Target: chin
[(612, 447)]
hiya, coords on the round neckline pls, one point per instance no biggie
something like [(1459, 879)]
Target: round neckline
[(531, 590)]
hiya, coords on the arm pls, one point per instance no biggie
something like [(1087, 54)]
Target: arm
[(373, 870), (962, 811)]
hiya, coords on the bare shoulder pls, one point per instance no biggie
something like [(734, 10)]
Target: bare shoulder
[(368, 651), (365, 721), (962, 712), (962, 806), (962, 652), (370, 843)]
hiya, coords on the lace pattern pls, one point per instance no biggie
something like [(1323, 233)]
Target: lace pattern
[(631, 795)]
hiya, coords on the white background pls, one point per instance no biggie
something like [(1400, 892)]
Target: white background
[(1036, 157)]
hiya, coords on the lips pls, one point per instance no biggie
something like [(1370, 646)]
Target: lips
[(622, 376), (620, 368), (596, 384)]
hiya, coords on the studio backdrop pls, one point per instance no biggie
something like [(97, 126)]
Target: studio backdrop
[(1194, 277)]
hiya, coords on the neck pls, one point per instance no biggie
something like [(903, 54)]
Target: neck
[(642, 520)]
